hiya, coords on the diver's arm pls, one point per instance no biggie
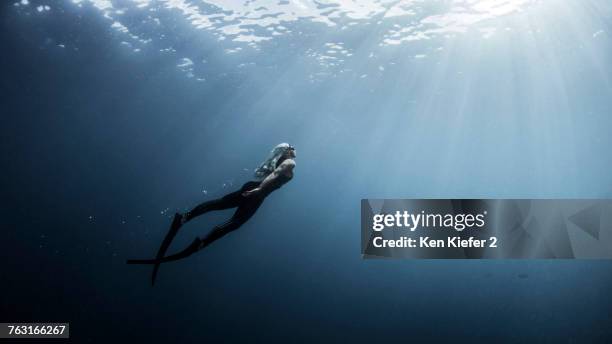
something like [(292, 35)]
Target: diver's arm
[(286, 167)]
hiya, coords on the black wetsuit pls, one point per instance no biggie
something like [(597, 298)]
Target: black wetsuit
[(247, 206)]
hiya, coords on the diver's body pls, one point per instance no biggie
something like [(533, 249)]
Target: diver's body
[(248, 199), (276, 171)]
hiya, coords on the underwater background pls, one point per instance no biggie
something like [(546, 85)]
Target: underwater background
[(116, 114)]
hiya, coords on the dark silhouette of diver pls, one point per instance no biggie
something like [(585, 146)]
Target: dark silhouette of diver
[(271, 174)]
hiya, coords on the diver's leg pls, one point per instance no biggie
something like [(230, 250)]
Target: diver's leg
[(220, 231), (231, 200), (226, 202), (243, 213), (196, 245)]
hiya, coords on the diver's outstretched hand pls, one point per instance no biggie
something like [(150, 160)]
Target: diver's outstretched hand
[(251, 193)]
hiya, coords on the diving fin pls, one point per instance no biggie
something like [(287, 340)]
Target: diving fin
[(174, 227), (142, 261), (195, 246), (177, 222)]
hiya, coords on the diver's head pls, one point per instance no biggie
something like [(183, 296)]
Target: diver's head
[(286, 151), (290, 152), (283, 151), (279, 153)]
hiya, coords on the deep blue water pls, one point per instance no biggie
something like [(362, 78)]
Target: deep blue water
[(104, 137)]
